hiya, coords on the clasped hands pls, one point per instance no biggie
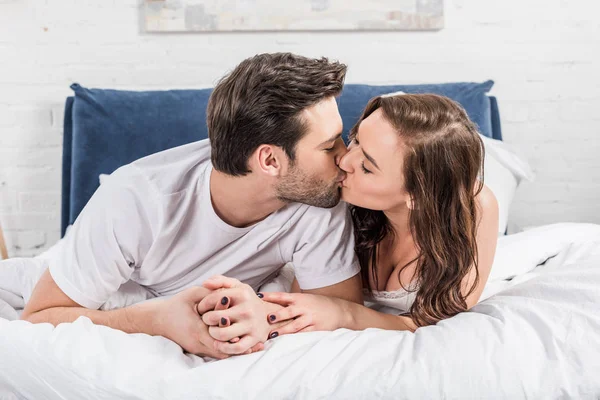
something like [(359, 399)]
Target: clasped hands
[(226, 317)]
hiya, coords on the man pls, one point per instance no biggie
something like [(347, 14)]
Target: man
[(263, 192)]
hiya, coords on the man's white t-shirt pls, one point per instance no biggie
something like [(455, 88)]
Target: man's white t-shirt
[(153, 222)]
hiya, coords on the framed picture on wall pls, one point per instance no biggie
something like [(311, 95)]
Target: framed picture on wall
[(291, 15)]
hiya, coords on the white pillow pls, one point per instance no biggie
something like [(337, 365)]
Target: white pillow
[(503, 172), (102, 178)]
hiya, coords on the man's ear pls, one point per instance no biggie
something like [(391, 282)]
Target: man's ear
[(270, 159)]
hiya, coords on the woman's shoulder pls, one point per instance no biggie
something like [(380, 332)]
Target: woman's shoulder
[(488, 211), (486, 200)]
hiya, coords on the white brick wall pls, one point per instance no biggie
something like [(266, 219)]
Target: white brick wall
[(543, 55)]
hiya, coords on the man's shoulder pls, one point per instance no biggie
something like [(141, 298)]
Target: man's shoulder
[(340, 208), (171, 171), (307, 215)]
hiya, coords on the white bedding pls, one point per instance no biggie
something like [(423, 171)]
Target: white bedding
[(536, 336)]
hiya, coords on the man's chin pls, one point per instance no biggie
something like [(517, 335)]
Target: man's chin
[(313, 197), (325, 203), (320, 202)]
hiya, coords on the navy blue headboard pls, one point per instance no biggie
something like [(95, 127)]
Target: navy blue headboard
[(66, 166), (105, 129)]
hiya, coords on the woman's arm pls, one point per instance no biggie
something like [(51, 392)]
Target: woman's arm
[(487, 238), (310, 312), (358, 317)]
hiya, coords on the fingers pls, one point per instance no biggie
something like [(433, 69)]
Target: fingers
[(287, 313), (245, 343), (222, 304), (233, 314), (280, 298), (221, 282), (209, 303), (195, 294), (257, 347), (293, 327), (223, 322), (225, 334), (234, 296)]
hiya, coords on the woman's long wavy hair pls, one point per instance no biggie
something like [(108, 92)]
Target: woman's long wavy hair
[(443, 171)]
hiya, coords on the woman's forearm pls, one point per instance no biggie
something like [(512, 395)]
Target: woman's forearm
[(358, 317)]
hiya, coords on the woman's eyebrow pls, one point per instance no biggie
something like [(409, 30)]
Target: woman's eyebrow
[(367, 155), (370, 159)]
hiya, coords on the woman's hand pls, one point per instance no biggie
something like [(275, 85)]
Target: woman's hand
[(306, 312), (238, 325)]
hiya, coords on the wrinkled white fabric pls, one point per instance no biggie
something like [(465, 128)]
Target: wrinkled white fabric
[(537, 336)]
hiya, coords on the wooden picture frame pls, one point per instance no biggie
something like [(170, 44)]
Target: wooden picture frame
[(298, 15)]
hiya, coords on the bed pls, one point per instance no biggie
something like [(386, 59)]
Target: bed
[(535, 333)]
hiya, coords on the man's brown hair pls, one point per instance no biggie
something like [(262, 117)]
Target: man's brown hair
[(260, 102)]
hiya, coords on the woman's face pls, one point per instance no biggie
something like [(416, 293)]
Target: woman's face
[(373, 165)]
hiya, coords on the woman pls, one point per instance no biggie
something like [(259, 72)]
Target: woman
[(425, 225)]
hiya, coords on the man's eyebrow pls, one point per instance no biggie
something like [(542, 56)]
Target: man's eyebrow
[(331, 139)]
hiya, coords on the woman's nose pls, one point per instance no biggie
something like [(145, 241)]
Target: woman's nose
[(340, 153), (345, 162)]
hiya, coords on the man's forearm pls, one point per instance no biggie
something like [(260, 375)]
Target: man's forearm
[(138, 318)]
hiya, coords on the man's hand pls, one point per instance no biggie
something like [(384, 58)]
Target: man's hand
[(176, 318), (245, 317)]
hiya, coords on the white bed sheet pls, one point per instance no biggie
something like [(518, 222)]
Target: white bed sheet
[(534, 336)]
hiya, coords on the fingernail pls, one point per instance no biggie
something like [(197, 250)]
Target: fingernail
[(273, 335), (260, 295), (272, 317), (224, 300), (223, 321)]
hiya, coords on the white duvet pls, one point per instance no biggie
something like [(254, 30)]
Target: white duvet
[(534, 336)]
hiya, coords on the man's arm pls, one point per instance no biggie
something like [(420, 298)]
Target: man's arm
[(49, 303), (324, 259), (174, 318), (350, 290)]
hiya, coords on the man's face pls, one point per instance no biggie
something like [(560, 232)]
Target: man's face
[(314, 177)]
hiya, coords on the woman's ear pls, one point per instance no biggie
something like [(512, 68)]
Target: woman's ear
[(410, 203)]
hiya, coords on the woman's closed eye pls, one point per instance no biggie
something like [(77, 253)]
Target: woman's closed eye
[(365, 170), (362, 164)]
